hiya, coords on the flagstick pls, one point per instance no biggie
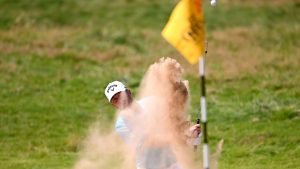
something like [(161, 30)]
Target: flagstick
[(203, 109)]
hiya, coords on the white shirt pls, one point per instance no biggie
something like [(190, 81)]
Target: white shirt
[(150, 157)]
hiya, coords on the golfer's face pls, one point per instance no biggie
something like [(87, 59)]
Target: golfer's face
[(121, 100)]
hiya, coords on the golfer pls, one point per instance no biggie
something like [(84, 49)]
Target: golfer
[(158, 157)]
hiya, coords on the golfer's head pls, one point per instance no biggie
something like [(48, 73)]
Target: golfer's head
[(118, 95)]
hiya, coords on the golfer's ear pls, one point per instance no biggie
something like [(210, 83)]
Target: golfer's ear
[(128, 92)]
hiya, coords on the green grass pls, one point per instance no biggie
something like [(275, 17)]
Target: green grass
[(57, 56)]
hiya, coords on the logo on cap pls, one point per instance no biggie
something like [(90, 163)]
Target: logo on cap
[(111, 88)]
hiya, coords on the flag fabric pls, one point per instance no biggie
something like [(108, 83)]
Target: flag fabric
[(185, 29)]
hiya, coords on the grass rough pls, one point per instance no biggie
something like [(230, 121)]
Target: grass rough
[(57, 56)]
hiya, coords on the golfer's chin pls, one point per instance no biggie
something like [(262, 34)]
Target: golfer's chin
[(123, 105)]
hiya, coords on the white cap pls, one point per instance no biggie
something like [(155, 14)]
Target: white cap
[(114, 88)]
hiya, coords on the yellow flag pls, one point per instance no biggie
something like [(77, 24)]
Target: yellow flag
[(185, 29)]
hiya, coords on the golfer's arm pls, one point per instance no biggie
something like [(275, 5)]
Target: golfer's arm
[(122, 129)]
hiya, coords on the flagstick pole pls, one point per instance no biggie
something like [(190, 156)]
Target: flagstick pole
[(203, 109)]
